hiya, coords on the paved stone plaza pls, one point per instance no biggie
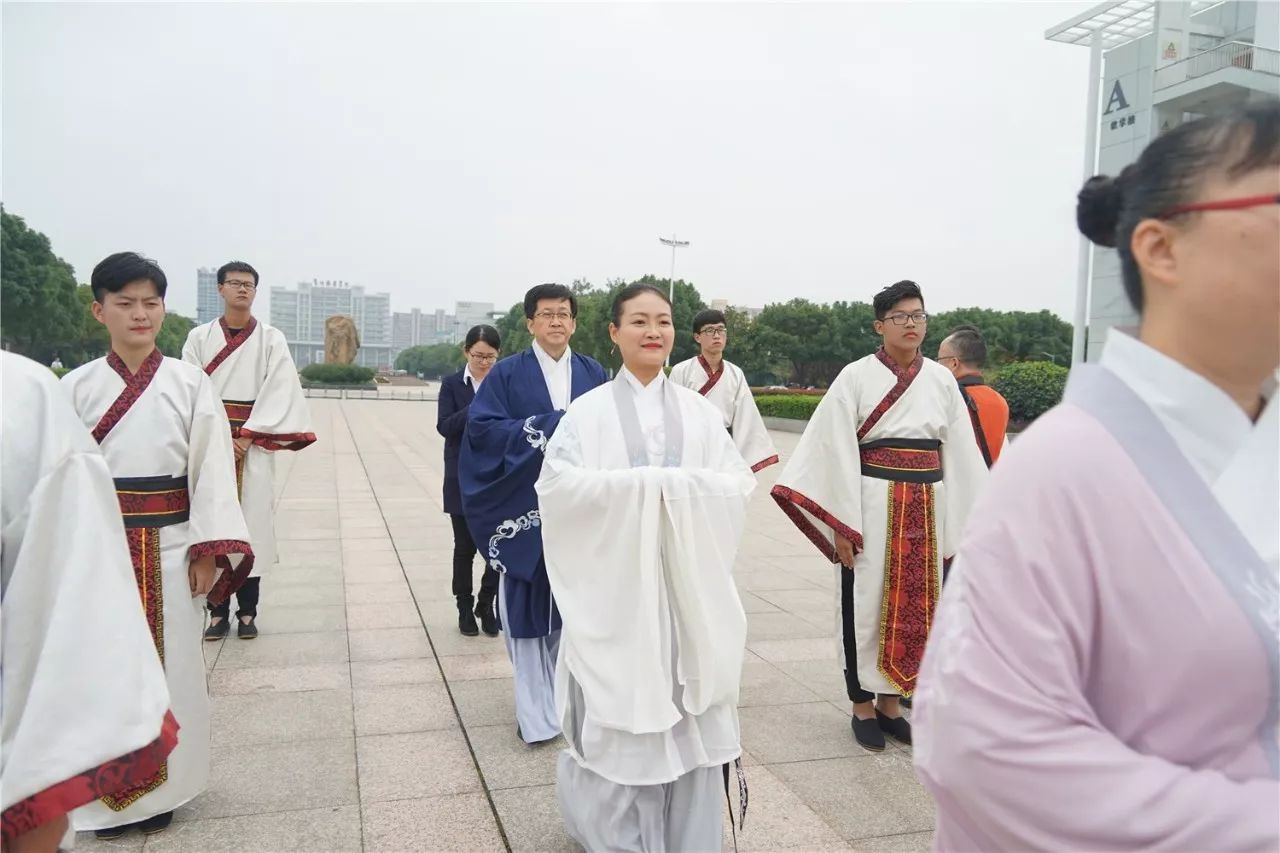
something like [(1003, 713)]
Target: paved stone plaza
[(362, 720)]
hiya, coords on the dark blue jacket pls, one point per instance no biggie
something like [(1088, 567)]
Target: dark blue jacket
[(456, 395), (508, 426)]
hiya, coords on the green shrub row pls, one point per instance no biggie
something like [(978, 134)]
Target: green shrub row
[(338, 374), (1031, 388)]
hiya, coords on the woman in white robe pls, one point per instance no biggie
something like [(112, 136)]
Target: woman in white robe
[(654, 632)]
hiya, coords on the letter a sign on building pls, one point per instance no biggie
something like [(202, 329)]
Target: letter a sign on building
[(1117, 100)]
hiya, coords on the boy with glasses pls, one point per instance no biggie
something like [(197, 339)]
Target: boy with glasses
[(255, 377), (514, 414), (882, 482), (725, 387)]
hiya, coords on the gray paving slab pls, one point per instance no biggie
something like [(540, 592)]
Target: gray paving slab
[(351, 738)]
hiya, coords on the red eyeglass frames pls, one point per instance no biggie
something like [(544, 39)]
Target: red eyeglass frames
[(1227, 204)]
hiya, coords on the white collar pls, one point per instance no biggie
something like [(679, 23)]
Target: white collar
[(467, 374), (548, 363), (1207, 425), (653, 388)]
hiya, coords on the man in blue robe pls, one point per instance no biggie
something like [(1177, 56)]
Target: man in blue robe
[(510, 421)]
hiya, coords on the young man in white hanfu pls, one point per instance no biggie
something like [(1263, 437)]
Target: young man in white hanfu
[(725, 387), (881, 483), (1105, 669), (164, 436), (255, 377), (85, 706), (654, 631)]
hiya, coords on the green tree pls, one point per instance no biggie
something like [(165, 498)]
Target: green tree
[(173, 334), (39, 313), (433, 361)]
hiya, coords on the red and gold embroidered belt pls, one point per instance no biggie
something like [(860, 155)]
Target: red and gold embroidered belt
[(903, 460), (238, 412), (153, 501)]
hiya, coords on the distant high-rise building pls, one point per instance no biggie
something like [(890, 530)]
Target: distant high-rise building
[(208, 302), (301, 313), (468, 314)]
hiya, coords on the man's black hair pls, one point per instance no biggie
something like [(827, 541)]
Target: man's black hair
[(557, 292), (706, 317), (237, 266), (893, 294), (114, 272)]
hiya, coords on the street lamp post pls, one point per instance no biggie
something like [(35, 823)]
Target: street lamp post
[(671, 286)]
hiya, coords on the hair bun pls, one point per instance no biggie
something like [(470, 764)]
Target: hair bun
[(1098, 209)]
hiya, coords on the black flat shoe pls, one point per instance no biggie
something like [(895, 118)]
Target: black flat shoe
[(895, 727), (868, 735), (247, 630), (488, 619), (467, 624), (217, 631), (111, 833), (159, 823)]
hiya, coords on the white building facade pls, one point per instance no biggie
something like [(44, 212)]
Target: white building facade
[(1161, 62), (301, 314)]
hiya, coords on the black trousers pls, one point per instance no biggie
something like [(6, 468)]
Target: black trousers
[(246, 599), (464, 555)]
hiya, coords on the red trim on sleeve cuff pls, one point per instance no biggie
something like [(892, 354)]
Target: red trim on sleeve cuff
[(278, 441), (219, 548), (764, 463), (112, 777), (791, 502)]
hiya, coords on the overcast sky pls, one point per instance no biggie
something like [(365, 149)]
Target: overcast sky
[(469, 151)]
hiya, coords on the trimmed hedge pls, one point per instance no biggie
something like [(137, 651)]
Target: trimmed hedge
[(338, 374), (795, 406), (1031, 388)]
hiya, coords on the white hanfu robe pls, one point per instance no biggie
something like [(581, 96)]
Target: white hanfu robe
[(165, 438), (889, 461), (1105, 670), (728, 391), (654, 631), (255, 377), (85, 705)]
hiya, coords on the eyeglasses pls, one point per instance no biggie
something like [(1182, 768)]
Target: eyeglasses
[(548, 316), (1228, 204), (942, 357), (714, 331), (483, 359), (900, 319), (239, 285)]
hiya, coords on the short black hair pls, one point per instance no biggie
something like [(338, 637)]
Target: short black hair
[(558, 292), (237, 266), (893, 294), (969, 345), (487, 334), (706, 317), (116, 271), (1169, 173), (631, 291)]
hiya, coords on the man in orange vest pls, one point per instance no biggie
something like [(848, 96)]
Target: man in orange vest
[(964, 353)]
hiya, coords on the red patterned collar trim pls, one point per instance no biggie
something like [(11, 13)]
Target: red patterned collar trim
[(146, 370), (234, 342), (712, 378), (243, 333), (904, 374)]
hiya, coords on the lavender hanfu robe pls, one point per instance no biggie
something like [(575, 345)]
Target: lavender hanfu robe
[(1103, 674)]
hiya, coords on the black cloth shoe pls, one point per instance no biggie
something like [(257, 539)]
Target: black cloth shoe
[(466, 619), (488, 619), (247, 630), (895, 727), (868, 735), (159, 823), (217, 631), (111, 833)]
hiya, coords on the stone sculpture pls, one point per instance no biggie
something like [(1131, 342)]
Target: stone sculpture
[(341, 340)]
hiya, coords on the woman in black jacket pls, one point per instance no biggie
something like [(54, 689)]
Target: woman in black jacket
[(456, 393)]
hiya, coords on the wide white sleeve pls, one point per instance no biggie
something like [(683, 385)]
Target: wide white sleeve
[(217, 524), (749, 432), (964, 470), (280, 419), (191, 348), (820, 489), (84, 692)]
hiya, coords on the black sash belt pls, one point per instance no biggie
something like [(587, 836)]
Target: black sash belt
[(153, 501), (902, 460)]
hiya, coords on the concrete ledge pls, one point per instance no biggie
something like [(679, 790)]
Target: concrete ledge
[(785, 424)]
